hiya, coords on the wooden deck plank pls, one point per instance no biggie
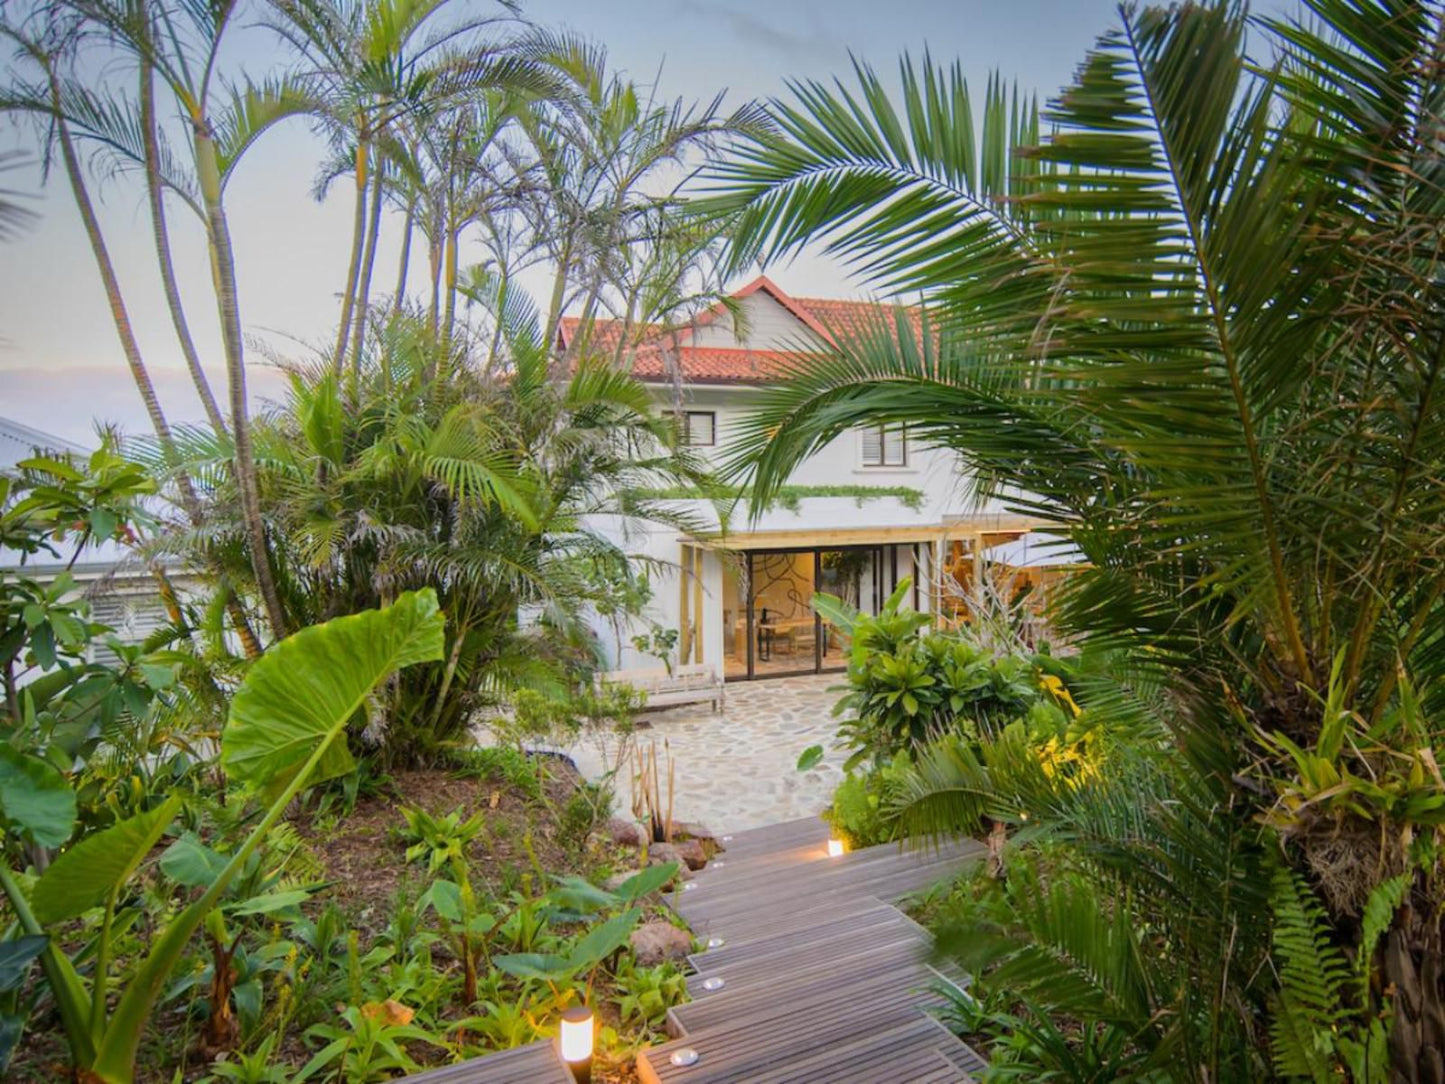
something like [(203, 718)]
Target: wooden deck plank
[(901, 935), (887, 876), (898, 1045), (823, 979), (761, 941), (536, 1063)]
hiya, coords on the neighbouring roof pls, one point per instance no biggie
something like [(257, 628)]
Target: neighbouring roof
[(19, 442), (720, 362)]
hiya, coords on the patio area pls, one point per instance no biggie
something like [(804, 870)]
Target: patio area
[(737, 769)]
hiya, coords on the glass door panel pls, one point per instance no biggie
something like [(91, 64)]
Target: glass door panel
[(840, 575)]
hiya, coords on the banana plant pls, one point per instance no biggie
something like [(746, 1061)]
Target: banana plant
[(284, 732)]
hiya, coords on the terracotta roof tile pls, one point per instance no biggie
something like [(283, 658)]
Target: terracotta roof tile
[(719, 365)]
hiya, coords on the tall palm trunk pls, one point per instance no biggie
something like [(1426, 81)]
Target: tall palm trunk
[(503, 284), (121, 318), (554, 309), (223, 275), (449, 317), (239, 620), (129, 347), (368, 261), (406, 232), (353, 268), (163, 250), (434, 258)]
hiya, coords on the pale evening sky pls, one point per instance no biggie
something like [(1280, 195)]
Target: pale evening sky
[(61, 367)]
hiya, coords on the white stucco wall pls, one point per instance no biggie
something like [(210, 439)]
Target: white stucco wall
[(761, 324), (767, 325)]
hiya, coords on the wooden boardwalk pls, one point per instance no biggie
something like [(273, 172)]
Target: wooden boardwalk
[(812, 975), (535, 1063)]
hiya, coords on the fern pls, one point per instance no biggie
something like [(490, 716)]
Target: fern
[(1313, 976), (1380, 910)]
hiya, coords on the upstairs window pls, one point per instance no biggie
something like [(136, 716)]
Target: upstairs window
[(699, 428), (885, 446)]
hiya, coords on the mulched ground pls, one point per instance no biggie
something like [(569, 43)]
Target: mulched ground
[(363, 855)]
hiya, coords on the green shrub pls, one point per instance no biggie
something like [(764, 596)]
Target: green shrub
[(589, 806), (909, 683), (858, 814), (439, 841), (644, 994)]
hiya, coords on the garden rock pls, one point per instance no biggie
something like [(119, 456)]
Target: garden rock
[(658, 941), (660, 853), (624, 833), (693, 852), (693, 830)]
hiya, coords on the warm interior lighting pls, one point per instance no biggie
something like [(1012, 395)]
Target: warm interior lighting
[(577, 1034), (835, 848)]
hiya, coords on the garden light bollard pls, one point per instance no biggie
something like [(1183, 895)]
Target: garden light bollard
[(575, 1042)]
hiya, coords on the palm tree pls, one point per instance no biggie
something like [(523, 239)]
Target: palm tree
[(126, 136), (372, 63), (598, 189), (224, 120), (1197, 327), (45, 48)]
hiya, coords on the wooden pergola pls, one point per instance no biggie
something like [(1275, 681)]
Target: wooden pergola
[(972, 535)]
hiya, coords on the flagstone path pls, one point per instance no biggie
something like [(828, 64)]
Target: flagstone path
[(737, 769)]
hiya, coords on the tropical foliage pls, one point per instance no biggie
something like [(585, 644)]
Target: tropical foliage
[(909, 683), (1189, 315), (417, 471), (356, 578), (169, 904)]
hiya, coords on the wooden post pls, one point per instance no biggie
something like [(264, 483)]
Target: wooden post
[(917, 574), (684, 626), (697, 604), (748, 597), (817, 617)]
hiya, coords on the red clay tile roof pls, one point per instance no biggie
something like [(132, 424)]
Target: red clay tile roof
[(722, 365)]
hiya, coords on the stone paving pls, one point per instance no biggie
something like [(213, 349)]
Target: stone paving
[(737, 769)]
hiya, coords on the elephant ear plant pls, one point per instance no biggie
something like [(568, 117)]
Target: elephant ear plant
[(285, 731)]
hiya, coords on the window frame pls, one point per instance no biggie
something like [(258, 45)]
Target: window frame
[(882, 462), (687, 433)]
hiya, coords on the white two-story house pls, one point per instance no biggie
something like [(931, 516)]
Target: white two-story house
[(740, 598)]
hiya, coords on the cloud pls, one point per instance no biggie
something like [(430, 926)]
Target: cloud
[(751, 30)]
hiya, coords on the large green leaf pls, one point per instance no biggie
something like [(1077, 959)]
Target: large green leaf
[(534, 965), (296, 692), (582, 896), (190, 862), (272, 901), (15, 957), (87, 873), (35, 798), (294, 704), (602, 941), (646, 882)]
